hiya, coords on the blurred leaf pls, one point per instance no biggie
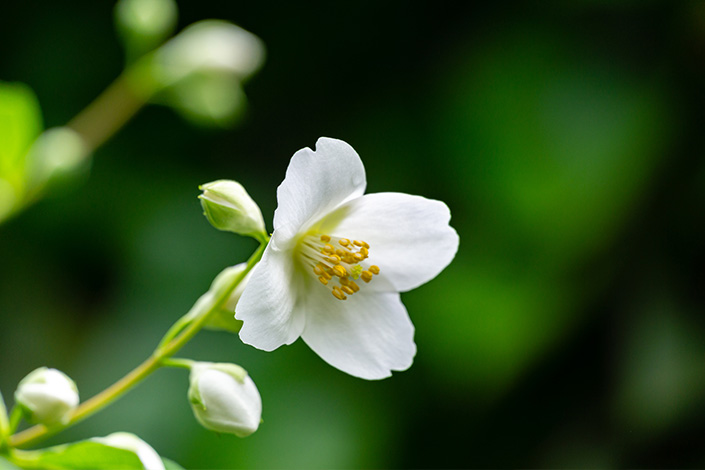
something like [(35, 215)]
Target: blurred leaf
[(554, 145), (20, 124), (89, 455), (490, 327), (660, 375), (5, 465)]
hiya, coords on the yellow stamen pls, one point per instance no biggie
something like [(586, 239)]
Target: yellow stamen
[(330, 258), (339, 294), (339, 271)]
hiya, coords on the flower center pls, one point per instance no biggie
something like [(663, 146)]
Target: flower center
[(331, 259)]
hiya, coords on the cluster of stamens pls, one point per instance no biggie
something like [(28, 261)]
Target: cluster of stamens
[(340, 259)]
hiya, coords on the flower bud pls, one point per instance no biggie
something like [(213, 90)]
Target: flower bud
[(127, 441), (144, 24), (47, 396), (224, 398), (56, 156), (210, 46), (228, 207)]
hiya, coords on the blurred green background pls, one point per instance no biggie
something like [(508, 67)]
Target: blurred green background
[(567, 139)]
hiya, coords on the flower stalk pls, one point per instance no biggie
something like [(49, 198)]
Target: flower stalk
[(154, 362)]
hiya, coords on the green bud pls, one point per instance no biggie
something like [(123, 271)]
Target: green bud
[(144, 24), (200, 72), (57, 155), (209, 46), (47, 396), (224, 398), (228, 207)]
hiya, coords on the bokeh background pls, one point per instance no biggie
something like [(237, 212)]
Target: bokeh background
[(567, 139)]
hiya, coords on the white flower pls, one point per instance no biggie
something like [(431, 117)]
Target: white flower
[(224, 398), (48, 395), (337, 261), (127, 441)]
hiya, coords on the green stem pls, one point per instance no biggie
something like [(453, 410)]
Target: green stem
[(112, 393), (178, 363), (118, 103)]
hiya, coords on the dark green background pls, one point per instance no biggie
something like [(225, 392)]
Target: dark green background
[(567, 139)]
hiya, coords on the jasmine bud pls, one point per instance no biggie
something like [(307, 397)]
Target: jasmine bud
[(47, 396), (224, 398), (228, 207)]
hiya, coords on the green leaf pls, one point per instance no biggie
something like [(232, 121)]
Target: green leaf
[(171, 465), (20, 124), (89, 455), (5, 465)]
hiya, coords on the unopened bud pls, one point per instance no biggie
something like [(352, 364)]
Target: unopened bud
[(57, 155), (127, 441), (228, 207), (47, 396), (144, 24), (210, 45), (224, 398)]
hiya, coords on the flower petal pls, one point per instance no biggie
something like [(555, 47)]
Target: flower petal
[(316, 183), (267, 304), (409, 236), (368, 335)]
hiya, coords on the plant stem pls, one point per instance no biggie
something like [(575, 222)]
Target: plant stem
[(177, 363), (101, 119), (115, 391)]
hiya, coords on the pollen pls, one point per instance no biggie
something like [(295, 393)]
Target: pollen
[(337, 262)]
